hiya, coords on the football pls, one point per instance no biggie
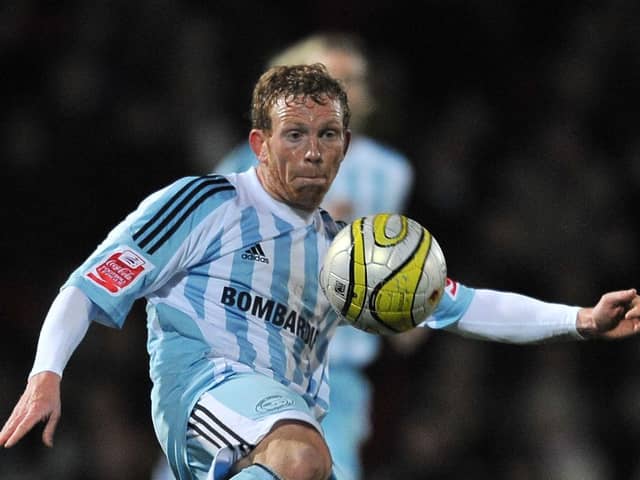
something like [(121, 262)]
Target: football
[(384, 273)]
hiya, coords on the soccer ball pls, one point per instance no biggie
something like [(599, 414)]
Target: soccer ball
[(384, 273)]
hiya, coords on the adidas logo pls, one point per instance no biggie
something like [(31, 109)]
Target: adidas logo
[(255, 253)]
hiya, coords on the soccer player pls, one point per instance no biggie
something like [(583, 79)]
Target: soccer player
[(373, 178), (238, 327)]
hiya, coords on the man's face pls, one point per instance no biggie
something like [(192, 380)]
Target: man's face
[(300, 157)]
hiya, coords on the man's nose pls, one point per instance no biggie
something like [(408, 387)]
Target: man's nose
[(313, 150)]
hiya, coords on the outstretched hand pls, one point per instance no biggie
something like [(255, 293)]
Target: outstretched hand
[(40, 402), (616, 315)]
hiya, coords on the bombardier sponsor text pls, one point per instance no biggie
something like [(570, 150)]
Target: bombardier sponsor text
[(270, 311)]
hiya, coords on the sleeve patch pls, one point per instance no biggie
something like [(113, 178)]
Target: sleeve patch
[(451, 288), (119, 271)]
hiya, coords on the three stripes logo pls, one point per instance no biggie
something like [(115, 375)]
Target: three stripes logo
[(205, 425), (255, 253)]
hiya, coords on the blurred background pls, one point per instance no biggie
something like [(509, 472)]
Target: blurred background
[(521, 120)]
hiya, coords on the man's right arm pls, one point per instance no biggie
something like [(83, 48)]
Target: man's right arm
[(64, 328)]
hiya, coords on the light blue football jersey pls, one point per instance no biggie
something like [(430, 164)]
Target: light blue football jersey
[(231, 281)]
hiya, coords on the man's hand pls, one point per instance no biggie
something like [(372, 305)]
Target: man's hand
[(40, 402), (616, 315)]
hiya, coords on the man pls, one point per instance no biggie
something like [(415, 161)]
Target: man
[(373, 178), (238, 328)]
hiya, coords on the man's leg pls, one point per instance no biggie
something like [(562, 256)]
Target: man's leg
[(292, 450)]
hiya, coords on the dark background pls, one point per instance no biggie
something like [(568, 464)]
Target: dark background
[(521, 120)]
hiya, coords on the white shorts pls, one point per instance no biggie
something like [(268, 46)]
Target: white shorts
[(229, 420)]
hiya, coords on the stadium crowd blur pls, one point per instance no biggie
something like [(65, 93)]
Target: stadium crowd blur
[(522, 119)]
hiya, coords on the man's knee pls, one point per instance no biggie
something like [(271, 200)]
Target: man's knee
[(304, 462), (294, 450)]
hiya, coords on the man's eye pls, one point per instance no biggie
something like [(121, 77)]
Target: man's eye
[(330, 134)]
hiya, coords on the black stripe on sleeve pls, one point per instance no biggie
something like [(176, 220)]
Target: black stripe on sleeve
[(202, 183), (159, 242)]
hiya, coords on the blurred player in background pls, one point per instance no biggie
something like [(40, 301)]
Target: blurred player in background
[(373, 178)]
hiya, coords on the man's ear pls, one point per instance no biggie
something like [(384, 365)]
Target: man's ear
[(257, 139), (347, 141)]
